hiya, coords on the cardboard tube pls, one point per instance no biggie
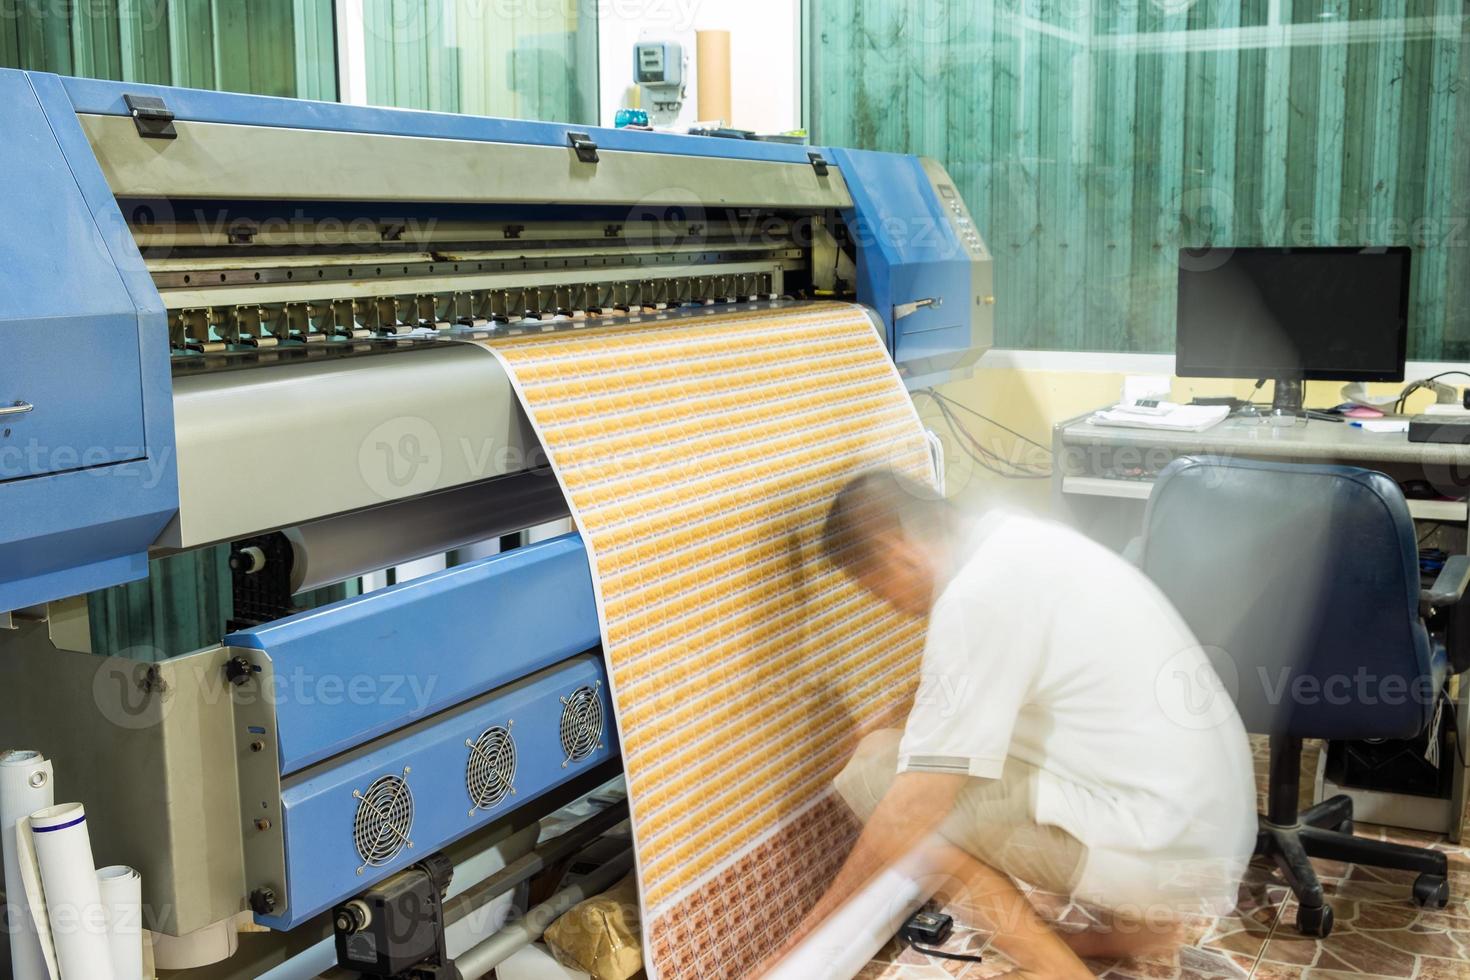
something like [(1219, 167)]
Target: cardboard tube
[(712, 60), (73, 897), (26, 782), (122, 897)]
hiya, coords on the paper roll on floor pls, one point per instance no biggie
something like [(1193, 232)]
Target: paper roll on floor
[(63, 850), (35, 899), (535, 963), (26, 782), (121, 889), (848, 940)]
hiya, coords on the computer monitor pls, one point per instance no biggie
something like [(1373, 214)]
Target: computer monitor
[(1293, 314)]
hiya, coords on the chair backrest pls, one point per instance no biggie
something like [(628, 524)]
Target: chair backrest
[(1302, 583)]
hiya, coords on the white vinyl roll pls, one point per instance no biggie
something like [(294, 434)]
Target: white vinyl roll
[(122, 895), (845, 943), (535, 963), (26, 782), (73, 898)]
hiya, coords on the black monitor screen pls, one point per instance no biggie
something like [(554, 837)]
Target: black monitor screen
[(1333, 314)]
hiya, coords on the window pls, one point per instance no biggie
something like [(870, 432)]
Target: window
[(529, 59)]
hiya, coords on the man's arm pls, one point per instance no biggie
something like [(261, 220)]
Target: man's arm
[(912, 809), (906, 819)]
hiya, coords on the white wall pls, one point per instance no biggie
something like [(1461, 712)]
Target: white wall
[(765, 40)]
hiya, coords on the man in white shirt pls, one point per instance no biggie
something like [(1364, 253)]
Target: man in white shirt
[(1069, 732)]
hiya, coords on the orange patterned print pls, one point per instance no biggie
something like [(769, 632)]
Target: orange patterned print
[(700, 453)]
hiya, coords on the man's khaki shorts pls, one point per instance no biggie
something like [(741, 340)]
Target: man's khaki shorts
[(994, 820)]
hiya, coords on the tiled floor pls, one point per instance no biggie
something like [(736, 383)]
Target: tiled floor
[(1379, 932)]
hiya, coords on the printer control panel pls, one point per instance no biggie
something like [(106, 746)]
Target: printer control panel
[(956, 211), (982, 266)]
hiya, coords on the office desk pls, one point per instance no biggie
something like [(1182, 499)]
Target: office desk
[(1098, 461), (1102, 478)]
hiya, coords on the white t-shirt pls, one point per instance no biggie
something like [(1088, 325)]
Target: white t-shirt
[(1049, 648)]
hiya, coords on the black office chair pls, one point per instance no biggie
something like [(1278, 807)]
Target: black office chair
[(1302, 583)]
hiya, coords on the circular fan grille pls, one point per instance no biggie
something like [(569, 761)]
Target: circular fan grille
[(491, 770), (581, 724), (384, 819)]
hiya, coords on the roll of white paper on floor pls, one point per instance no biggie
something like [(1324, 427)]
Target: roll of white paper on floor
[(26, 783), (122, 896), (73, 897), (535, 963), (849, 939), (30, 879)]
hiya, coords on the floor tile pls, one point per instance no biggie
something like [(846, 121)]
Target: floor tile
[(1379, 933)]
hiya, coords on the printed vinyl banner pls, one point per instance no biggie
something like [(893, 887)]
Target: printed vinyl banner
[(699, 452)]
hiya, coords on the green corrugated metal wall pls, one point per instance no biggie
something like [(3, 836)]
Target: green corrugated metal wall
[(535, 60), (182, 605), (265, 47), (1093, 140)]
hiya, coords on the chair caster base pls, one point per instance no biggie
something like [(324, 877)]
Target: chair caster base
[(1314, 922), (1431, 891)]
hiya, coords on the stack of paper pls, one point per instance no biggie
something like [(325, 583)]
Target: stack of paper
[(1383, 425), (1170, 417)]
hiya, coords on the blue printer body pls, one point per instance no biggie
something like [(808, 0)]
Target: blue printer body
[(217, 310)]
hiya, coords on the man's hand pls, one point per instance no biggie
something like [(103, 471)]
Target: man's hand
[(909, 813)]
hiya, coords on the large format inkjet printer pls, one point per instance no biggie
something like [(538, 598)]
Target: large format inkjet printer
[(237, 322)]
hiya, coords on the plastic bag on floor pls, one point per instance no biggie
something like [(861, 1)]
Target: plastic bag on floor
[(601, 936)]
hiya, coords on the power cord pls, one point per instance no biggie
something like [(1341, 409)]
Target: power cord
[(1454, 725), (1422, 383), (1446, 374), (941, 954), (971, 446), (984, 418), (988, 459)]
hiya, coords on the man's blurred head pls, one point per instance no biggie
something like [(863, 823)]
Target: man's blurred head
[(891, 534)]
